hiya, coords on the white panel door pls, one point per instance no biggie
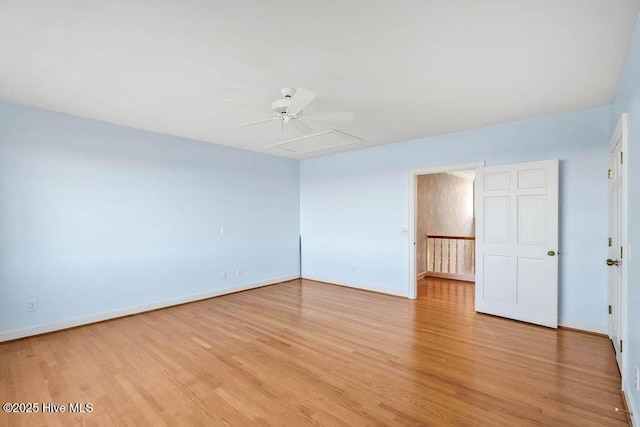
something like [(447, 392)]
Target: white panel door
[(517, 241), (615, 273)]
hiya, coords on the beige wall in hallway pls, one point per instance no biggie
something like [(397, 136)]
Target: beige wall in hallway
[(445, 207)]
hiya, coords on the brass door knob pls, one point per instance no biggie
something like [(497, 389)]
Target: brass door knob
[(551, 253), (611, 262)]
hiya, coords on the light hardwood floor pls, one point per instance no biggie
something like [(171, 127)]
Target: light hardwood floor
[(302, 352)]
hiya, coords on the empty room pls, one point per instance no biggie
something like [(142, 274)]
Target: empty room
[(319, 213)]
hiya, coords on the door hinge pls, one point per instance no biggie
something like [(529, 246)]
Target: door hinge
[(610, 241), (610, 311), (620, 252), (610, 174), (621, 157), (620, 346)]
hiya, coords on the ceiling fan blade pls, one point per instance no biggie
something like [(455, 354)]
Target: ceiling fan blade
[(257, 122), (229, 101), (330, 117), (300, 126), (299, 100)]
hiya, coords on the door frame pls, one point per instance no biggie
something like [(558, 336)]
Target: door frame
[(622, 133), (413, 214)]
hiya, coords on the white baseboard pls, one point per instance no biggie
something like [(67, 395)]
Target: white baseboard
[(55, 326), (583, 326), (631, 404), (363, 287), (99, 317)]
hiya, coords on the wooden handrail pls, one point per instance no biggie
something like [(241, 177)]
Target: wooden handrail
[(434, 236)]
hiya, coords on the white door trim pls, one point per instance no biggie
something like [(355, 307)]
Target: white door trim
[(413, 194)]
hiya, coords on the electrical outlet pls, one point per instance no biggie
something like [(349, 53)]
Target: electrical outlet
[(224, 274), (239, 272), (32, 305), (223, 231), (353, 270)]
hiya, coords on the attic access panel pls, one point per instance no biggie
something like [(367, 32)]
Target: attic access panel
[(316, 142)]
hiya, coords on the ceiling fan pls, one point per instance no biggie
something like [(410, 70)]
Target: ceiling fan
[(289, 110)]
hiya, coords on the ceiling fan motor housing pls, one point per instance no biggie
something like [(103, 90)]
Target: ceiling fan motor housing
[(287, 92)]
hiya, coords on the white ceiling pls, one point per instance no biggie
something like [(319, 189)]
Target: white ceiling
[(406, 68)]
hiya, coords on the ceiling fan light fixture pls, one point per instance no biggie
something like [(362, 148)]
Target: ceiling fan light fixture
[(280, 106)]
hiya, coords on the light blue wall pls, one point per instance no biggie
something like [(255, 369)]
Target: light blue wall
[(627, 99), (353, 204), (96, 217)]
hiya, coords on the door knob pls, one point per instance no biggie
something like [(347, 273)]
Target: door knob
[(611, 262), (551, 253)]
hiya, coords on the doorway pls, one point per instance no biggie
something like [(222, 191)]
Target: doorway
[(516, 239), (436, 250), (445, 244)]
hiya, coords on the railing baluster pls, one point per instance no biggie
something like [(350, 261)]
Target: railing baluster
[(464, 260), (426, 256), (473, 257), (436, 262)]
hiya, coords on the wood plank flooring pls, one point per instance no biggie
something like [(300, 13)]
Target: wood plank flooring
[(302, 352)]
